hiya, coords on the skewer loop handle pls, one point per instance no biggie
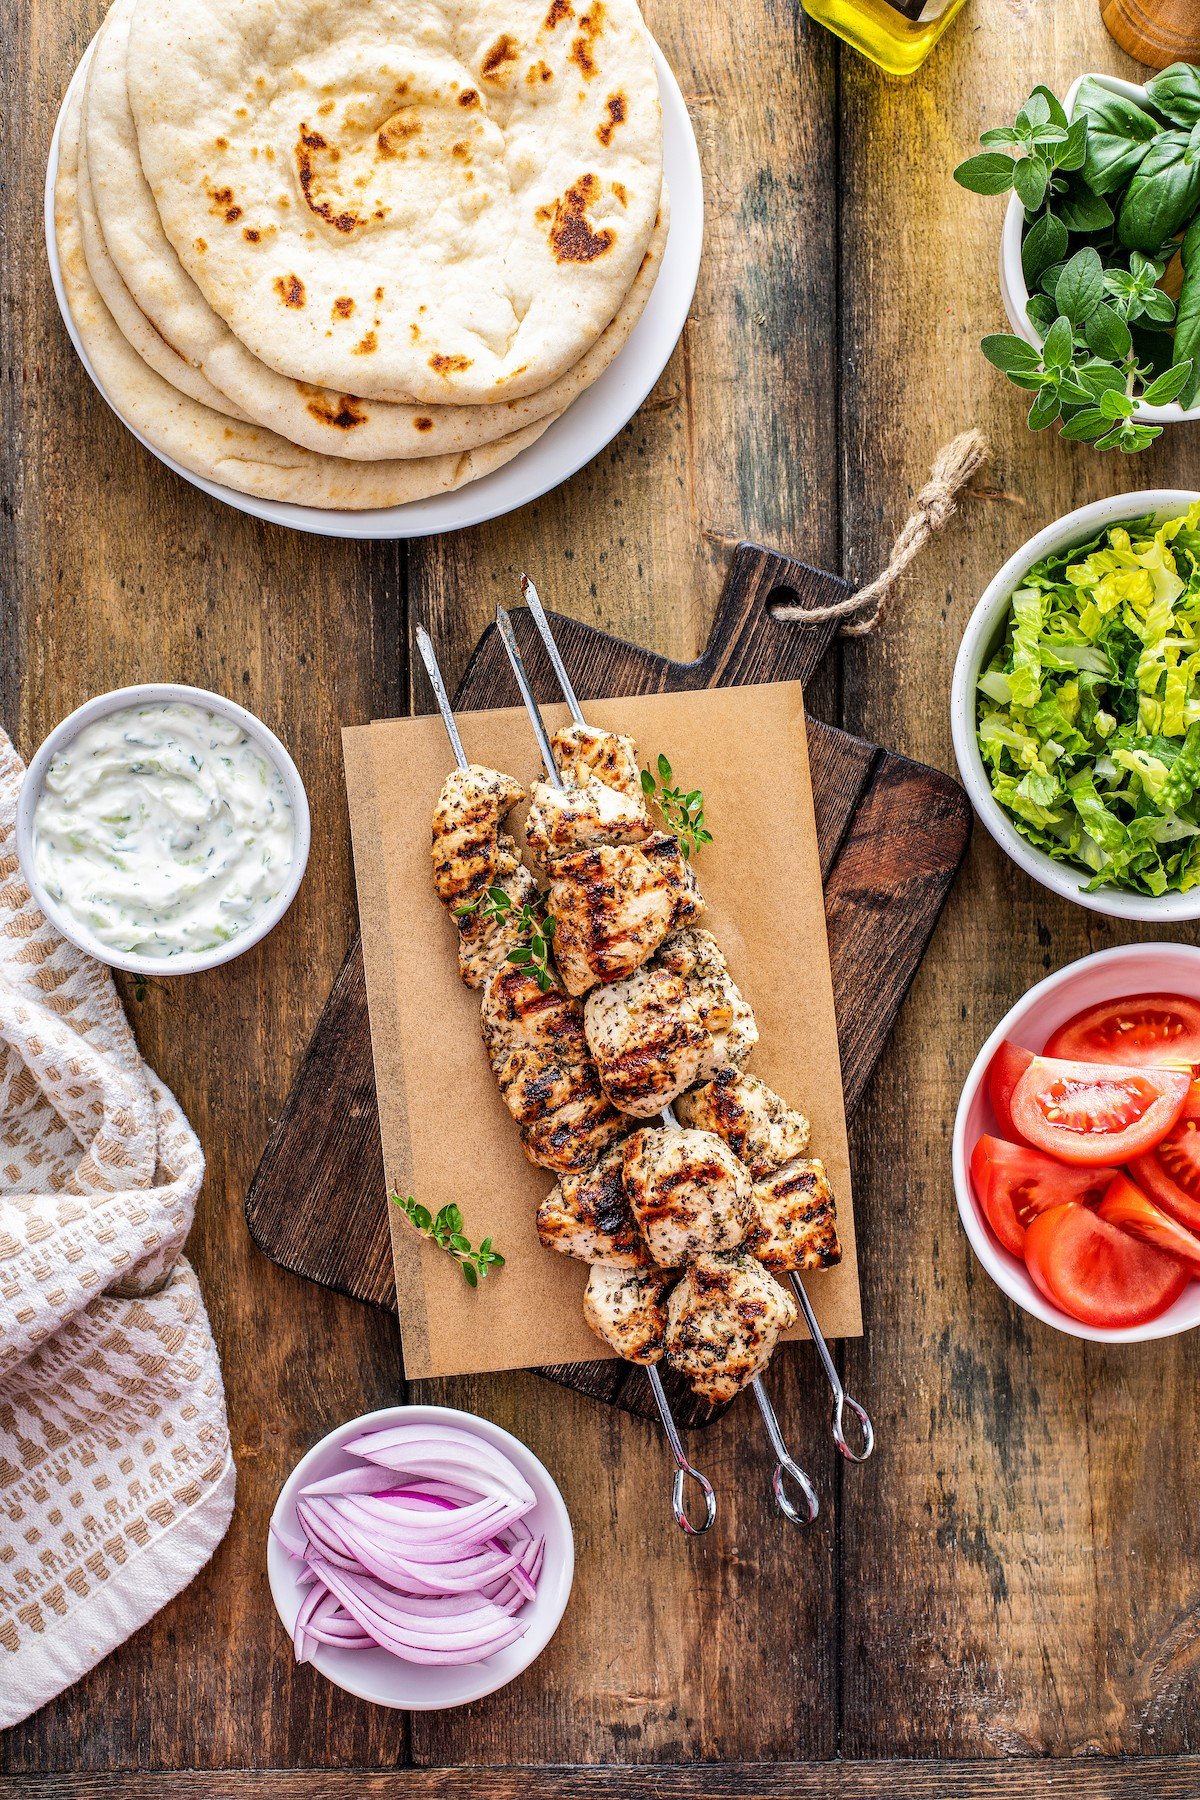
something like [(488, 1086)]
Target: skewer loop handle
[(685, 1472), (786, 1469), (841, 1401)]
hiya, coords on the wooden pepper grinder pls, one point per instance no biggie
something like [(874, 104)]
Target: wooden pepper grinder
[(1157, 32)]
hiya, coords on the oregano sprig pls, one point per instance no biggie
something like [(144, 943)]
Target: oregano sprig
[(533, 926), (445, 1230), (682, 813), (1106, 336), (1087, 368)]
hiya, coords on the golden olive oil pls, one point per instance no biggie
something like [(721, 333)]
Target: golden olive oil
[(897, 34)]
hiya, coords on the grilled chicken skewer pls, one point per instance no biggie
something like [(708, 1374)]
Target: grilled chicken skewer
[(715, 1321), (782, 1203), (477, 791)]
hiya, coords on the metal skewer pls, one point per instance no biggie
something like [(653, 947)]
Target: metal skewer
[(785, 1466), (841, 1399), (684, 1470)]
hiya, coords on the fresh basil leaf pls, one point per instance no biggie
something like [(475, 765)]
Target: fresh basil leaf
[(1045, 409), (1031, 178), (1050, 277), (1163, 194), (1080, 288), (1118, 134), (1111, 439), (1187, 317), (1000, 137), (1176, 92), (1045, 243), (1081, 210), (1107, 334), (1168, 387)]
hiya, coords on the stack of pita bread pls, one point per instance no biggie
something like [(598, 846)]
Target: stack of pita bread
[(354, 253)]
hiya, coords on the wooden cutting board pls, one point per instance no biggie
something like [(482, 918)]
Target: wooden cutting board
[(892, 834)]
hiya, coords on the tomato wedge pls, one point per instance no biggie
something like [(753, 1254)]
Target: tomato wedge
[(1170, 1173), (1014, 1183), (1146, 1028), (1097, 1273), (1096, 1113), (1004, 1071), (1126, 1205)]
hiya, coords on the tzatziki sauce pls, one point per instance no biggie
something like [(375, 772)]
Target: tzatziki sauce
[(163, 829)]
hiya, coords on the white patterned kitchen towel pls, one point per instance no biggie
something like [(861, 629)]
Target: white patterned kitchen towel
[(116, 1474)]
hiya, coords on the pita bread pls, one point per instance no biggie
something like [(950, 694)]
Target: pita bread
[(430, 200), (165, 294), (238, 455), (133, 322)]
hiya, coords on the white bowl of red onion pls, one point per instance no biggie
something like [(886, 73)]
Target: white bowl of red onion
[(420, 1557)]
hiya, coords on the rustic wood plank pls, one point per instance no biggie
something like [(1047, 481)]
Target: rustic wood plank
[(114, 570), (680, 1643), (1026, 1778), (1022, 1558)]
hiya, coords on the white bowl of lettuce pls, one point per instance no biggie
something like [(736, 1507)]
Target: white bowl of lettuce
[(1075, 706)]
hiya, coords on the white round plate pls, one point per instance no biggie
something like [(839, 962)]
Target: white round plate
[(574, 439), (428, 1687)]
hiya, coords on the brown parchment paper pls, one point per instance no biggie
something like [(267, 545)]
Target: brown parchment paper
[(447, 1134)]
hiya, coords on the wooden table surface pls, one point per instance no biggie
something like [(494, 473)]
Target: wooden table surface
[(1016, 1574)]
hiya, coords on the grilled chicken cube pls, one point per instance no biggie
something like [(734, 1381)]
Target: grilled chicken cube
[(569, 1139), (723, 1321), (793, 1219), (546, 1075), (647, 1039), (471, 851), (626, 1308), (521, 1021), (696, 955), (761, 1129), (485, 939), (588, 1216), (576, 818), (688, 1191), (671, 1024), (614, 904), (585, 753)]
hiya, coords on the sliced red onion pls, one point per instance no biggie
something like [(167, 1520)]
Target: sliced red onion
[(431, 1560)]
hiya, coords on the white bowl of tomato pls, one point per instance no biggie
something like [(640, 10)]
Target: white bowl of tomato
[(1077, 1147)]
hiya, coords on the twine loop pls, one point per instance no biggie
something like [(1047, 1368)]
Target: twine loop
[(861, 612)]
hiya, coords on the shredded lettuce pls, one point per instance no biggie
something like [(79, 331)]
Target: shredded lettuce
[(1089, 713)]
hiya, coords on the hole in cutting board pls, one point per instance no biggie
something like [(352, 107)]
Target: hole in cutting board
[(780, 597)]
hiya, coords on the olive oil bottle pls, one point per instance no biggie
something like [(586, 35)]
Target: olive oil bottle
[(897, 34)]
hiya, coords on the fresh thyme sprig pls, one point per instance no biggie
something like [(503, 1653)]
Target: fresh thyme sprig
[(532, 924), (445, 1230), (682, 813)]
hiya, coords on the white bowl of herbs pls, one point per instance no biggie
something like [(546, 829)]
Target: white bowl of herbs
[(1100, 255), (1075, 706)]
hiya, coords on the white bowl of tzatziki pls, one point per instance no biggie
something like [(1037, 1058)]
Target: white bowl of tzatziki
[(163, 829)]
